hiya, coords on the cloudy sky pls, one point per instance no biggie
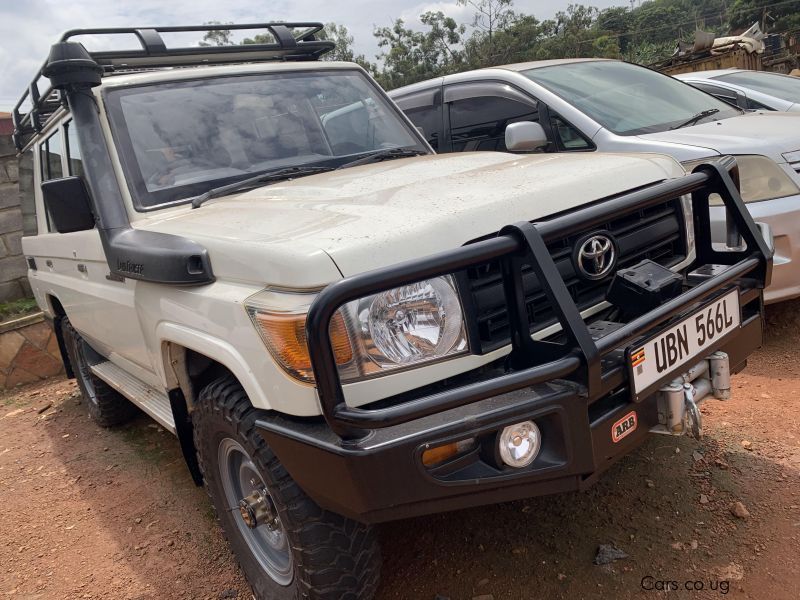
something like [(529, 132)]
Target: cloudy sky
[(29, 27)]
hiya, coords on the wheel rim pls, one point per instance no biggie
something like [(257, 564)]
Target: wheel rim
[(268, 544)]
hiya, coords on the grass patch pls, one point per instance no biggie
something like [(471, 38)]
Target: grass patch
[(17, 308)]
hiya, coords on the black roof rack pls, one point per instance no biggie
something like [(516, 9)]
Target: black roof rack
[(291, 41)]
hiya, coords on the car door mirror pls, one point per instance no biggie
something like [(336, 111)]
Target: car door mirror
[(525, 136), (67, 202)]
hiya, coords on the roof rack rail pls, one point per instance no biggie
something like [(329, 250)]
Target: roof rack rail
[(292, 41)]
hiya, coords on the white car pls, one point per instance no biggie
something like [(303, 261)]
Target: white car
[(588, 105), (749, 90), (261, 252)]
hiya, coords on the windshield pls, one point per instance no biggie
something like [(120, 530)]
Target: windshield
[(179, 139), (785, 87), (627, 99)]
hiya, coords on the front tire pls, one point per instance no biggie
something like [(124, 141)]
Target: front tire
[(305, 551), (107, 407)]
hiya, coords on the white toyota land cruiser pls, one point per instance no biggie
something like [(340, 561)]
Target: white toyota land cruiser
[(262, 253)]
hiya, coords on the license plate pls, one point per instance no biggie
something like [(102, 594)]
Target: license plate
[(684, 342)]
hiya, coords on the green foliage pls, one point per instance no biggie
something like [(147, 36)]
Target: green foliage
[(497, 34), (17, 308), (410, 56), (775, 16)]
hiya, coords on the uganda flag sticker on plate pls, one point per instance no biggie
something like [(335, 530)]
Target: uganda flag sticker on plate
[(637, 357)]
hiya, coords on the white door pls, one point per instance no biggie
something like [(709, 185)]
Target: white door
[(72, 267)]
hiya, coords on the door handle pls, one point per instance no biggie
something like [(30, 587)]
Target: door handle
[(81, 267)]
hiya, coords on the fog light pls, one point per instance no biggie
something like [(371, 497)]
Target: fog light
[(519, 444)]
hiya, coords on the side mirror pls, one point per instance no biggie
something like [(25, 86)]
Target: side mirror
[(525, 136), (66, 200)]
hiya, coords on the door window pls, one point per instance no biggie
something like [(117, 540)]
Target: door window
[(479, 123), (51, 151), (751, 104), (27, 194), (567, 137), (718, 92), (74, 159), (428, 119)]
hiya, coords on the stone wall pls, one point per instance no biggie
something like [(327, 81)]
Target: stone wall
[(28, 351), (13, 269)]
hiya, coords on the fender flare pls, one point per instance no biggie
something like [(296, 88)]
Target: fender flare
[(211, 347)]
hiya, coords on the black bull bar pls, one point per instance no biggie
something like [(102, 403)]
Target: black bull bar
[(534, 361)]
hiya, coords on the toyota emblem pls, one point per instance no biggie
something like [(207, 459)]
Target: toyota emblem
[(596, 256)]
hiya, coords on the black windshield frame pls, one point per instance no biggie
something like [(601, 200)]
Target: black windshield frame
[(145, 200)]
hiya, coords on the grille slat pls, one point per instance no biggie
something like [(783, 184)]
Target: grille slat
[(655, 233)]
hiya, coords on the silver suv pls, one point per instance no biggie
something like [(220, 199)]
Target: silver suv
[(586, 105)]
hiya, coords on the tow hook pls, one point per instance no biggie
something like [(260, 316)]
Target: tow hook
[(257, 509), (692, 421), (678, 412)]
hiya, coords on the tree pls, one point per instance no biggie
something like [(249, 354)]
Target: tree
[(217, 37), (343, 50), (409, 56), (490, 17)]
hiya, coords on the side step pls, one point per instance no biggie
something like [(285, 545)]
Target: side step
[(153, 402)]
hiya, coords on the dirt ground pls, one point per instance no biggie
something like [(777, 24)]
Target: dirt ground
[(92, 513)]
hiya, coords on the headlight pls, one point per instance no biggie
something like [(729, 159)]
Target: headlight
[(761, 178), (403, 327), (409, 325)]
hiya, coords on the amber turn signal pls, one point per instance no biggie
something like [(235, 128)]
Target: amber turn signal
[(439, 454), (285, 336)]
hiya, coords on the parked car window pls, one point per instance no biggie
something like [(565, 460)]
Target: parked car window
[(627, 99), (74, 160), (567, 137), (723, 94), (785, 87), (429, 120), (753, 105), (479, 123), (27, 194), (51, 150)]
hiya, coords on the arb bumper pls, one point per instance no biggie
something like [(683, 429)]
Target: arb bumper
[(586, 392)]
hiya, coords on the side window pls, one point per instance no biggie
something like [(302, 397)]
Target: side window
[(74, 160), (723, 94), (753, 105), (567, 137), (51, 150), (429, 120), (479, 123), (27, 194)]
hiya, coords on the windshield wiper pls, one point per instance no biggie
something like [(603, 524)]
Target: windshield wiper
[(383, 155), (701, 115), (263, 178)]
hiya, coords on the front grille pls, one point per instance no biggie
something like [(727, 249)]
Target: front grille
[(655, 233)]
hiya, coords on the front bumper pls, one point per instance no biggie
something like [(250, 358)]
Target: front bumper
[(366, 463), (783, 217), (381, 477)]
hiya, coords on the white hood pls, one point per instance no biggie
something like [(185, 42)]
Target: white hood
[(379, 214)]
